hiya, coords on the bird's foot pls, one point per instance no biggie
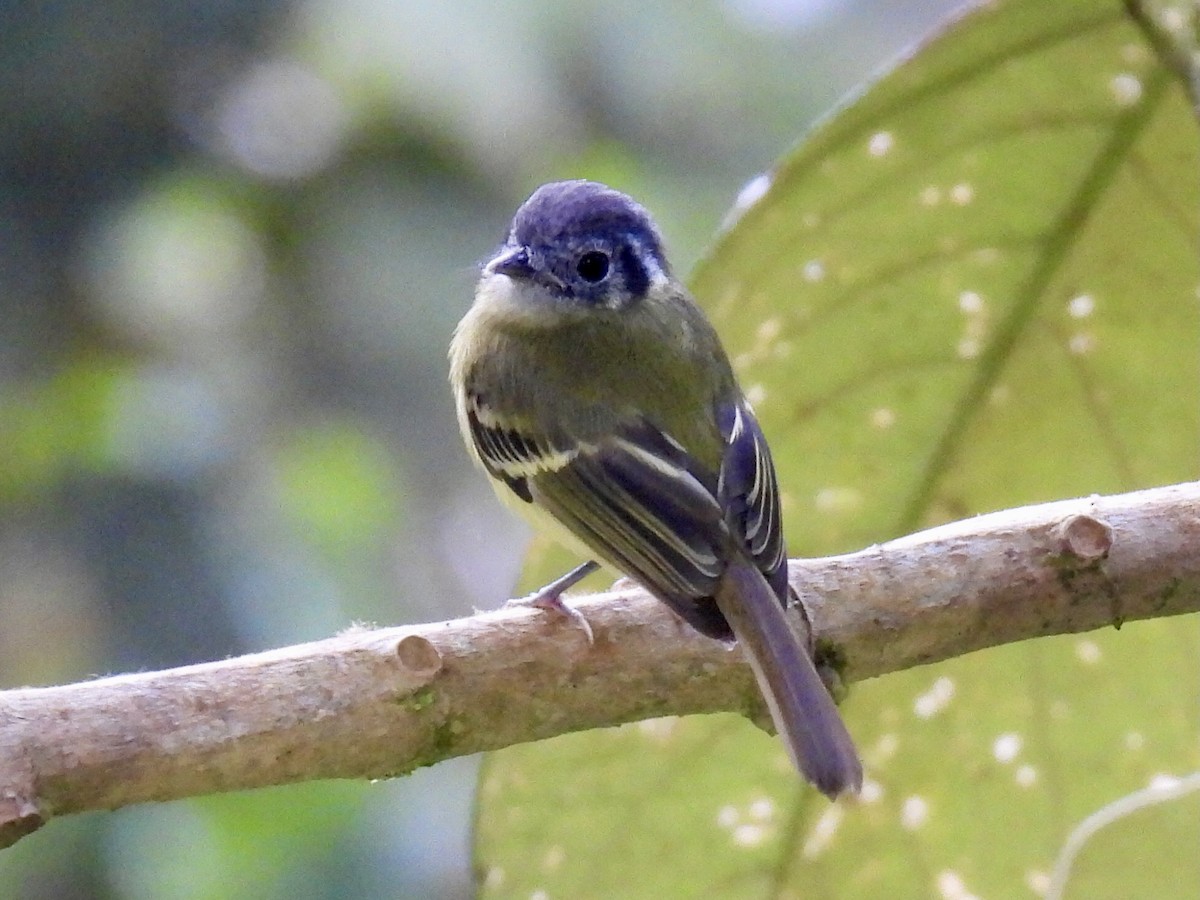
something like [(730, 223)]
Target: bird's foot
[(550, 598)]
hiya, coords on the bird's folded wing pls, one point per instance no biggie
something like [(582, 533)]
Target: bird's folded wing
[(635, 497), (749, 493)]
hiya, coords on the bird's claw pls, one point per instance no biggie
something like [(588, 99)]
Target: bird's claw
[(552, 601)]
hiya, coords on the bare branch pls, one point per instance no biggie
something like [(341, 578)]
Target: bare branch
[(375, 703)]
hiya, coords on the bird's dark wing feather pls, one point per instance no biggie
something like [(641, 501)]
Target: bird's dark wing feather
[(640, 501), (513, 454), (749, 493)]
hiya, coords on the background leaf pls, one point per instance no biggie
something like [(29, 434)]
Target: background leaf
[(973, 288)]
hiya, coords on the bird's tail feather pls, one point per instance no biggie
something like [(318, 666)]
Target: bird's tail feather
[(802, 709)]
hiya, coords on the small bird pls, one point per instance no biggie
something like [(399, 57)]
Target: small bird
[(597, 395)]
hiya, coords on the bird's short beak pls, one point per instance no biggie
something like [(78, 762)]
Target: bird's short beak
[(513, 263)]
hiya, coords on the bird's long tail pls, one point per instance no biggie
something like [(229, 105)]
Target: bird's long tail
[(804, 713)]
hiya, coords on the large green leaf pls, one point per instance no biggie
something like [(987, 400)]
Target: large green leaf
[(975, 287)]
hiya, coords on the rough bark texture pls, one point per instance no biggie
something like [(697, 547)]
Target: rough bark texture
[(374, 703)]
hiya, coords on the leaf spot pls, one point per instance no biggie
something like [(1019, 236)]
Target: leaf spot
[(934, 700), (1164, 782), (762, 809), (1126, 89), (951, 886), (970, 303), (1088, 652), (883, 418), (1081, 307), (872, 791), (914, 813), (493, 878), (885, 748), (838, 500), (769, 329), (823, 832), (1037, 881), (1081, 343), (881, 143), (749, 835), (1006, 747)]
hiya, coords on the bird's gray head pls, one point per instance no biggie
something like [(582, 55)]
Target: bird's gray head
[(583, 243)]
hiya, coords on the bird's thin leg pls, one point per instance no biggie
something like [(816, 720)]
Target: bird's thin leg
[(550, 597)]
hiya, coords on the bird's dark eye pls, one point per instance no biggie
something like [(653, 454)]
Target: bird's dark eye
[(592, 266)]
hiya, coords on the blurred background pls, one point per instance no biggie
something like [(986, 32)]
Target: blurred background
[(234, 240)]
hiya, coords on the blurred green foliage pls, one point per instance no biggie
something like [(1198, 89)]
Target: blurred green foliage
[(337, 487), (56, 426), (973, 288)]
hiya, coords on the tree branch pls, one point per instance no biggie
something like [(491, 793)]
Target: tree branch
[(376, 703)]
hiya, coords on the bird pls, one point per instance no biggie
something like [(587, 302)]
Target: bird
[(596, 394)]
